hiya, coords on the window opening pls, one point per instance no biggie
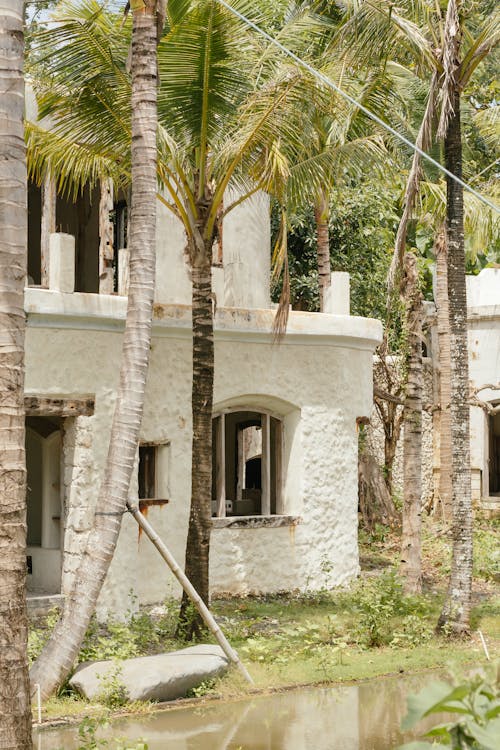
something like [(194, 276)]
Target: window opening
[(153, 474), (246, 464), (148, 455)]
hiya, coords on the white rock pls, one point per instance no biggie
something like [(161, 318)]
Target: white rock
[(163, 677)]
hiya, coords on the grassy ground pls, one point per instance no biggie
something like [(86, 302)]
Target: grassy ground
[(332, 636)]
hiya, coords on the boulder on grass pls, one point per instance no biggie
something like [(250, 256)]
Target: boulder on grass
[(163, 677)]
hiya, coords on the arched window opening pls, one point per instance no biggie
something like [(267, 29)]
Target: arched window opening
[(246, 464)]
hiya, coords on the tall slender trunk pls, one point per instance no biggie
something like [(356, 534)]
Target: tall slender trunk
[(411, 558), (58, 657), (443, 327), (198, 539), (322, 218), (456, 609), (392, 430), (15, 707)]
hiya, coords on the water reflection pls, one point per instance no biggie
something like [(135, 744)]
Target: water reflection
[(360, 717)]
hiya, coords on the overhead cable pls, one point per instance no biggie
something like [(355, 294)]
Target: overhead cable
[(328, 82)]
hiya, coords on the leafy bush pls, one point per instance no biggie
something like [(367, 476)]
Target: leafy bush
[(377, 602), (140, 633), (412, 631), (39, 634), (486, 554), (476, 704), (112, 693)]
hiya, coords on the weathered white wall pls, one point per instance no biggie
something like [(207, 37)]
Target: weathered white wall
[(483, 298), (246, 249), (243, 280), (318, 379)]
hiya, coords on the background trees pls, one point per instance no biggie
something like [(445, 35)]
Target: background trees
[(15, 704)]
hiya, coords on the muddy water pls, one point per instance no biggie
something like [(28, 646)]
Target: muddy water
[(360, 717)]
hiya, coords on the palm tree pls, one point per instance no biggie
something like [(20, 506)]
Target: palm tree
[(411, 557), (15, 704), (59, 654), (449, 50), (348, 144)]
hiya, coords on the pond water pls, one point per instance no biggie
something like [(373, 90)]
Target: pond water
[(355, 717)]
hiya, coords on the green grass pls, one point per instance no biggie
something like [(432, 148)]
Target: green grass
[(369, 630)]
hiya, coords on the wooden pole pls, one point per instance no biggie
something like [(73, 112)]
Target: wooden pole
[(106, 250), (220, 474), (47, 227), (190, 590)]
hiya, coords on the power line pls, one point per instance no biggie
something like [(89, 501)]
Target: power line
[(328, 82)]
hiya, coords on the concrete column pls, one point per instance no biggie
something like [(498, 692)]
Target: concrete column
[(337, 300), (51, 492), (123, 271), (218, 284), (62, 263), (246, 252)]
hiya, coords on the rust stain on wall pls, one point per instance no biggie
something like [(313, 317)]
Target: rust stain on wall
[(145, 505)]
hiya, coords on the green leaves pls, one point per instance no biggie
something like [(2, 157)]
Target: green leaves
[(477, 704)]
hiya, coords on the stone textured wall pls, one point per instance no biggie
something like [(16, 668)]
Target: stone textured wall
[(317, 380)]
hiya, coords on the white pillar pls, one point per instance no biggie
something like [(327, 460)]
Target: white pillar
[(337, 294), (266, 465), (123, 271), (62, 263), (221, 466)]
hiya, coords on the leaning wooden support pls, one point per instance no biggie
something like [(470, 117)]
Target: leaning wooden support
[(190, 590)]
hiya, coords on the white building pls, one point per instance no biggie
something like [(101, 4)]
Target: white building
[(285, 415), (483, 318)]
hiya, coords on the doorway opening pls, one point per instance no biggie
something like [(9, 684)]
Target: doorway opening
[(494, 452), (44, 503)]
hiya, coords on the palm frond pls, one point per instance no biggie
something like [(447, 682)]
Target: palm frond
[(74, 165), (423, 141), (450, 57)]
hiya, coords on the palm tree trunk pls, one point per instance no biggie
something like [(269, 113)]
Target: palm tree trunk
[(456, 609), (58, 657), (411, 560), (443, 327), (198, 539), (322, 217), (15, 705)]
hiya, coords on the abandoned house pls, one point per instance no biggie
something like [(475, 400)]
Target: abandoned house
[(284, 496), (483, 303), (483, 318)]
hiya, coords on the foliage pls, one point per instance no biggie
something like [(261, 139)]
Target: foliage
[(115, 643), (362, 225), (139, 633), (112, 691), (386, 615), (475, 704), (204, 688), (87, 733), (487, 552), (39, 634)]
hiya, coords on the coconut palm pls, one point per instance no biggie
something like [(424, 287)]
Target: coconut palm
[(346, 143), (15, 708), (447, 47), (59, 654)]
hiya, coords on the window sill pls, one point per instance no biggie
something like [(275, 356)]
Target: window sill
[(255, 522)]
